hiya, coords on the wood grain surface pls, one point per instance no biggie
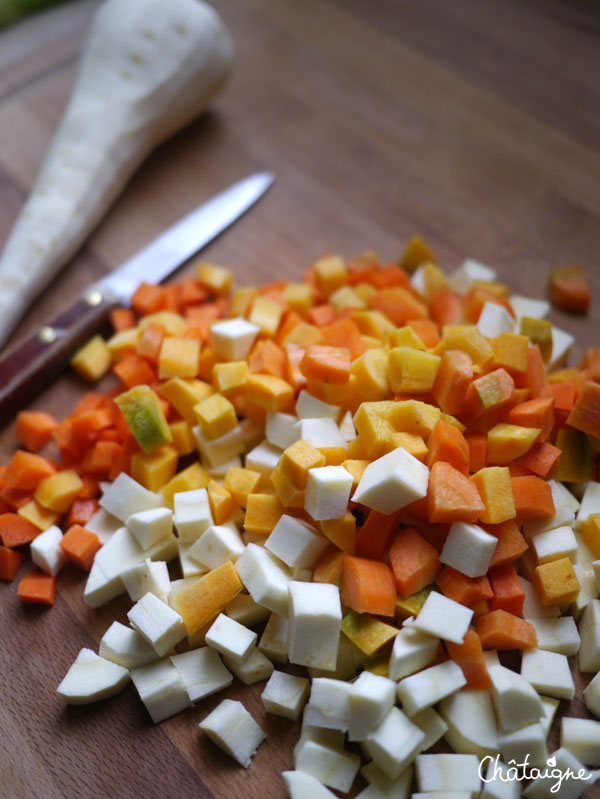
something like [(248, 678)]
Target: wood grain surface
[(474, 123)]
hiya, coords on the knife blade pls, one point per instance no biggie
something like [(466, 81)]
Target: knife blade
[(29, 367)]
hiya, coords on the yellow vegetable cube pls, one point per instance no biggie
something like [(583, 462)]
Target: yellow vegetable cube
[(299, 296), (341, 532), (303, 335), (38, 515), (269, 392), (468, 339), (509, 441), (217, 279), (495, 490), (412, 604), (365, 291), (195, 476), (216, 416), (416, 252), (556, 582), (366, 632), (411, 371), (241, 482), (178, 357), (591, 533), (538, 331), (201, 601), (93, 360), (184, 395), (206, 363), (154, 469), (345, 297), (241, 301), (370, 371), (266, 315), (433, 279), (405, 337), (356, 467), (510, 352), (374, 428), (183, 439), (297, 459), (291, 496), (172, 323), (58, 491), (229, 378), (330, 273), (124, 341), (416, 417), (412, 443), (220, 501), (373, 323), (263, 511)]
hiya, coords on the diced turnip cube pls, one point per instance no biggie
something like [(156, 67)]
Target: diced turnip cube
[(582, 738), (392, 482), (448, 773), (265, 577), (394, 743), (46, 551), (91, 678), (295, 542), (126, 647), (125, 496), (494, 319), (548, 672), (412, 651), (564, 763), (202, 672), (444, 618), (192, 513), (468, 549), (315, 618), (469, 272), (230, 638), (371, 698), (332, 766), (515, 700), (161, 689), (301, 785), (282, 429), (557, 635), (217, 544), (159, 624), (149, 526), (234, 730), (329, 704), (285, 695), (427, 687), (471, 723), (255, 668), (327, 492)]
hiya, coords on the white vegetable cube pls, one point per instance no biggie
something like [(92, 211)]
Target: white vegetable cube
[(315, 618), (370, 700), (149, 526), (192, 513), (295, 542), (468, 549), (582, 738), (263, 459), (382, 787), (515, 700), (265, 577), (104, 524), (161, 689), (532, 607), (394, 743), (588, 589), (555, 544), (550, 706), (91, 678), (494, 319), (232, 339), (309, 407), (412, 651), (432, 724), (274, 640), (159, 624), (327, 492), (301, 785), (497, 784), (189, 567), (126, 647), (565, 508), (557, 635), (230, 638), (233, 729), (548, 672), (217, 452), (329, 704), (321, 433), (330, 765), (282, 429), (46, 551), (149, 576), (285, 695), (202, 672), (590, 503), (562, 342), (471, 723), (589, 630), (99, 588), (529, 306), (448, 773), (443, 618), (529, 740), (392, 482), (576, 778), (246, 611), (424, 689), (468, 273), (216, 545), (125, 496), (591, 696), (255, 668), (347, 428)]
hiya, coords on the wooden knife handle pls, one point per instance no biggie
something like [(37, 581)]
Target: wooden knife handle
[(28, 369)]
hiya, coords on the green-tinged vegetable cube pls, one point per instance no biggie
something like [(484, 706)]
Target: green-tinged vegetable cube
[(145, 417)]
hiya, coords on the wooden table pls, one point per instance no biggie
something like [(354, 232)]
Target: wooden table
[(475, 124)]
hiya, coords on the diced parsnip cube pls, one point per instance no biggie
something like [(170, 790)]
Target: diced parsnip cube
[(529, 306), (217, 544), (332, 766), (192, 513), (282, 429), (295, 542), (126, 647), (529, 740), (321, 433), (233, 729), (218, 451), (103, 524), (149, 576), (554, 544), (231, 638), (91, 678), (494, 320), (202, 672), (394, 743), (149, 526), (391, 482), (443, 618), (265, 577), (532, 607), (255, 668), (309, 407), (548, 672), (590, 503), (347, 428), (550, 707), (100, 588), (161, 689), (263, 459), (189, 567), (448, 773), (471, 723), (571, 787), (411, 652), (591, 696), (327, 492), (432, 724), (46, 551), (285, 695), (496, 783), (424, 689), (515, 700), (589, 630), (232, 339), (159, 624), (582, 738), (382, 787), (329, 704), (562, 343), (469, 549), (315, 618), (349, 660), (557, 635), (274, 640), (469, 273), (246, 611), (125, 496), (370, 699), (300, 785), (588, 590)]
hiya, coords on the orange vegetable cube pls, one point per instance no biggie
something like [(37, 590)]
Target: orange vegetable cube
[(240, 483), (503, 630), (263, 511), (201, 601), (80, 546), (368, 586), (414, 562), (451, 496), (10, 560), (34, 429), (495, 489), (330, 364), (556, 582), (37, 588)]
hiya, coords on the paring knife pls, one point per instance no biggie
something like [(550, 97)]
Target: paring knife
[(30, 367)]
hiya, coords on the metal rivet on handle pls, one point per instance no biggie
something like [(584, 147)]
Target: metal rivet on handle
[(47, 335), (93, 297)]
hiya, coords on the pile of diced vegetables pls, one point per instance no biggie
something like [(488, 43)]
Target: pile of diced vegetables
[(392, 468)]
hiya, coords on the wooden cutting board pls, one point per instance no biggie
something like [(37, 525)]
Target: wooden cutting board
[(473, 124)]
